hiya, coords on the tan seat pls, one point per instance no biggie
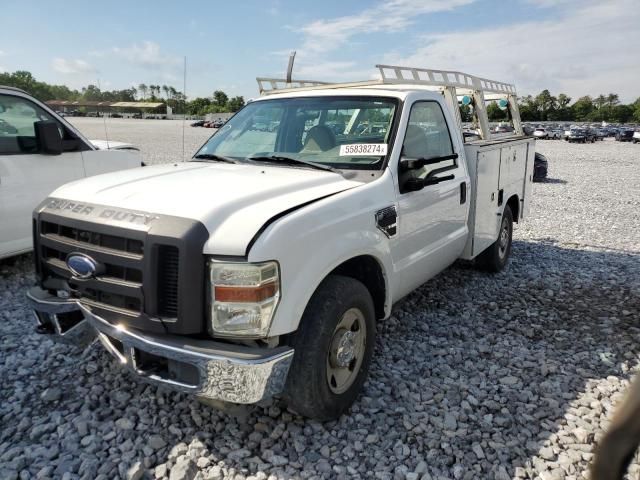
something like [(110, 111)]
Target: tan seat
[(319, 139), (415, 142)]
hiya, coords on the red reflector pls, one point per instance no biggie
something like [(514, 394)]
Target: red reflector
[(244, 294)]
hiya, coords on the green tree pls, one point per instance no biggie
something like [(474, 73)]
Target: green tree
[(91, 93), (143, 89), (198, 106), (236, 103), (621, 113), (220, 98), (545, 103), (495, 113), (528, 109), (636, 110), (582, 108)]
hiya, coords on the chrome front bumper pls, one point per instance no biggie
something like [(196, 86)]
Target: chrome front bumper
[(206, 369)]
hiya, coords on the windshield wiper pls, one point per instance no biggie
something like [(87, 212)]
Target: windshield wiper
[(215, 158), (293, 161)]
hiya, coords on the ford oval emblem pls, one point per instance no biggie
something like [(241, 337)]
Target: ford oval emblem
[(81, 265)]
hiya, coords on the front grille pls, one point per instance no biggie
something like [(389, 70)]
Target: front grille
[(119, 286), (151, 269), (168, 263)]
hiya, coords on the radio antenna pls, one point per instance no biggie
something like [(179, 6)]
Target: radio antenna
[(184, 112), (104, 120)]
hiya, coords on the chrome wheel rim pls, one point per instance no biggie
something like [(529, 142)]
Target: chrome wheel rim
[(346, 351), (503, 243)]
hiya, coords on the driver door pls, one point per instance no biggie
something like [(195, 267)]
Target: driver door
[(27, 176), (432, 227)]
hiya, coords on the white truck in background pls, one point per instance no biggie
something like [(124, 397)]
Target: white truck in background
[(40, 151), (261, 267)]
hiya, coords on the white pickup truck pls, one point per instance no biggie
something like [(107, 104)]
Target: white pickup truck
[(261, 266), (39, 151)]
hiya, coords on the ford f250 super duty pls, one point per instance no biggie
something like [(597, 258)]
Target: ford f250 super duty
[(261, 266)]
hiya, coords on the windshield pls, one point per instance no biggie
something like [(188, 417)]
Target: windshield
[(340, 132)]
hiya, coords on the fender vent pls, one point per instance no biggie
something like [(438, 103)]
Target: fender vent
[(386, 220)]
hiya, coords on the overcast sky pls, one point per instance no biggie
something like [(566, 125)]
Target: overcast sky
[(577, 47)]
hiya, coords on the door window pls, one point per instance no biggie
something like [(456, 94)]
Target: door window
[(17, 130), (428, 137)]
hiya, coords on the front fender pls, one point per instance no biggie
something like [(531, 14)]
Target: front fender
[(311, 242)]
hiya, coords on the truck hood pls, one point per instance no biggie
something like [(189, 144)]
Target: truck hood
[(232, 201)]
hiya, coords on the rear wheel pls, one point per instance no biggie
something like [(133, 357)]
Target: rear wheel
[(333, 349), (496, 257)]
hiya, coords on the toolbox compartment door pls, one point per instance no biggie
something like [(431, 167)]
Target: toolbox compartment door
[(486, 220)]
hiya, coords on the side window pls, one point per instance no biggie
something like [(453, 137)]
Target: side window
[(428, 137), (17, 131)]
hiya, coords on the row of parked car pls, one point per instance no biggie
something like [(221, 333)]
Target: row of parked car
[(217, 123), (586, 134)]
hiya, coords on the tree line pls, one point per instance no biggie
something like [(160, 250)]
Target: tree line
[(541, 107), (166, 94), (546, 107)]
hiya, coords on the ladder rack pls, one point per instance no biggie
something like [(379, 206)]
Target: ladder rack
[(271, 85), (452, 84), (392, 74)]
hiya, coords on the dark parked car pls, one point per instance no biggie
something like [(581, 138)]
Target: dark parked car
[(199, 123), (218, 123), (577, 135), (590, 135), (540, 167), (624, 135), (503, 129), (115, 115), (601, 134)]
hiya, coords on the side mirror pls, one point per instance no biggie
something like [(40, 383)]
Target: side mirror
[(48, 137), (413, 184)]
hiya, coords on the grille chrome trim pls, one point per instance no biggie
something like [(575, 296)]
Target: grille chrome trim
[(55, 263), (90, 246)]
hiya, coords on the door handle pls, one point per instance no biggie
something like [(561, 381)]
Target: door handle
[(463, 193)]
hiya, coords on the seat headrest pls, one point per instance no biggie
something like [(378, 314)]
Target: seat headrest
[(320, 138), (415, 142)]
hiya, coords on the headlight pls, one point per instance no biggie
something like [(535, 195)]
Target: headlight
[(244, 297)]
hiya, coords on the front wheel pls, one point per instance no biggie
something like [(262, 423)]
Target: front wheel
[(333, 349), (496, 257)]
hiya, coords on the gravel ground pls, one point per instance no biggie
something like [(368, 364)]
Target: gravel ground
[(160, 141), (475, 376)]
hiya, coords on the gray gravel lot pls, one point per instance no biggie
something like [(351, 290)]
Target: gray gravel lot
[(475, 376), (160, 141)]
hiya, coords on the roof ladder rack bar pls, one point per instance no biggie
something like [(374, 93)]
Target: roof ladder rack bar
[(442, 78), (268, 85)]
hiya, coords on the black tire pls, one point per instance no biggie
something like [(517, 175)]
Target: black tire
[(308, 390), (496, 257)]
